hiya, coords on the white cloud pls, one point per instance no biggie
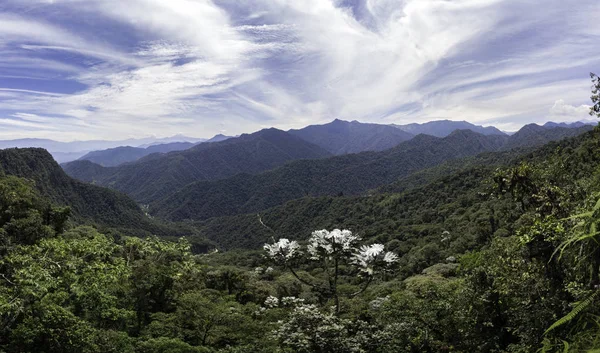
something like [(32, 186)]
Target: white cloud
[(17, 29), (201, 67), (561, 109)]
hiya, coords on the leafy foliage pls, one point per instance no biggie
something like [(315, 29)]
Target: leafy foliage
[(595, 108), (88, 203)]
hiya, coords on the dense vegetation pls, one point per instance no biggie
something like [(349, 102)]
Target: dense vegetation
[(157, 175), (89, 204)]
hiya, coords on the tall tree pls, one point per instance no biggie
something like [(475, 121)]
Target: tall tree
[(595, 109)]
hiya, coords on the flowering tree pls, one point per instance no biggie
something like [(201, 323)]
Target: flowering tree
[(333, 250)]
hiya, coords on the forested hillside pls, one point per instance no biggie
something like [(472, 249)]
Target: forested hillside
[(534, 135), (348, 175), (421, 204), (88, 203), (344, 175), (156, 176)]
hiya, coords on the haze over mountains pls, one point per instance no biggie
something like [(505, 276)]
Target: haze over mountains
[(115, 156), (68, 151), (338, 137), (267, 168), (443, 128), (156, 175), (343, 137)]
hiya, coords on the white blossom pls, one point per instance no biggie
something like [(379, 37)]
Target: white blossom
[(446, 237), (370, 256), (325, 243), (291, 301), (271, 302), (378, 302), (372, 251), (283, 249), (390, 257)]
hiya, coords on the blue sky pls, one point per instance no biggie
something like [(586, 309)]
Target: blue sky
[(114, 69)]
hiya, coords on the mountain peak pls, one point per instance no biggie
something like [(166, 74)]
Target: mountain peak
[(443, 128), (343, 137)]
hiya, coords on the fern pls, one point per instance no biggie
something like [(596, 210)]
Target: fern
[(567, 347), (576, 311)]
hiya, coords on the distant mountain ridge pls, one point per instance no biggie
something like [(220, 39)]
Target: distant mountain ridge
[(576, 124), (253, 171), (113, 157), (535, 135), (219, 138), (443, 128), (348, 174), (92, 145), (343, 137), (155, 176), (69, 151)]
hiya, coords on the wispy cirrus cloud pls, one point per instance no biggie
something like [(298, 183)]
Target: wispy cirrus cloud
[(142, 67)]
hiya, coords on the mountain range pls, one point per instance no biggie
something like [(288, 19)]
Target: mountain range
[(212, 182), (267, 168), (113, 157), (350, 174), (443, 128), (68, 151), (338, 137), (571, 125), (342, 175), (343, 137), (155, 176), (78, 146)]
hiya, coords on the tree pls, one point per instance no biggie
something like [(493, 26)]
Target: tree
[(595, 109), (333, 250), (59, 291)]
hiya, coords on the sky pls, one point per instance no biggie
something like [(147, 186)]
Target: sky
[(115, 69)]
